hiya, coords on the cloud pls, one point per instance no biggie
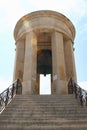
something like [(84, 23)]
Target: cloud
[(84, 27), (83, 84), (4, 84), (13, 10), (10, 12), (78, 7)]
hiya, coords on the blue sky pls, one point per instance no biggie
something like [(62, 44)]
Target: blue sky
[(12, 10)]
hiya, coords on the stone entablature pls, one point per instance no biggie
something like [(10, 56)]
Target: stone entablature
[(43, 20)]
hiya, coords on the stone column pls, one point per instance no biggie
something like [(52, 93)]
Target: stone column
[(19, 60), (29, 76), (69, 60), (34, 65), (58, 62)]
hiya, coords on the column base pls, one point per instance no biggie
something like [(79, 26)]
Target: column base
[(62, 87), (59, 87), (26, 88)]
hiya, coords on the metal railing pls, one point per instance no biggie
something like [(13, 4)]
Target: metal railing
[(80, 94), (7, 95)]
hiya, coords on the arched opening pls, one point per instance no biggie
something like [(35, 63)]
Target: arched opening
[(44, 70), (44, 63)]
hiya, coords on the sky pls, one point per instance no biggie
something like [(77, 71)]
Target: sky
[(12, 10)]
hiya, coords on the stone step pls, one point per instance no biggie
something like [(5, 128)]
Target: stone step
[(46, 102), (47, 121), (43, 116), (44, 97), (73, 110), (41, 123), (45, 110), (58, 108), (44, 127), (47, 113), (27, 105), (18, 106)]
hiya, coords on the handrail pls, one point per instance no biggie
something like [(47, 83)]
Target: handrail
[(80, 94), (7, 95)]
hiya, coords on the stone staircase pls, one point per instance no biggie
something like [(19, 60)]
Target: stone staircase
[(44, 112)]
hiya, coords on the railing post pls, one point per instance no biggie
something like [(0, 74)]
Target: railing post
[(75, 90), (0, 100), (18, 87), (70, 86), (7, 97), (80, 96), (86, 99), (13, 90)]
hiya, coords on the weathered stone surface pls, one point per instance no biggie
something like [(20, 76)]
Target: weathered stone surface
[(44, 112), (44, 30)]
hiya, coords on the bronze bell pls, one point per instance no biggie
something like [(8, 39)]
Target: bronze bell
[(44, 62)]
